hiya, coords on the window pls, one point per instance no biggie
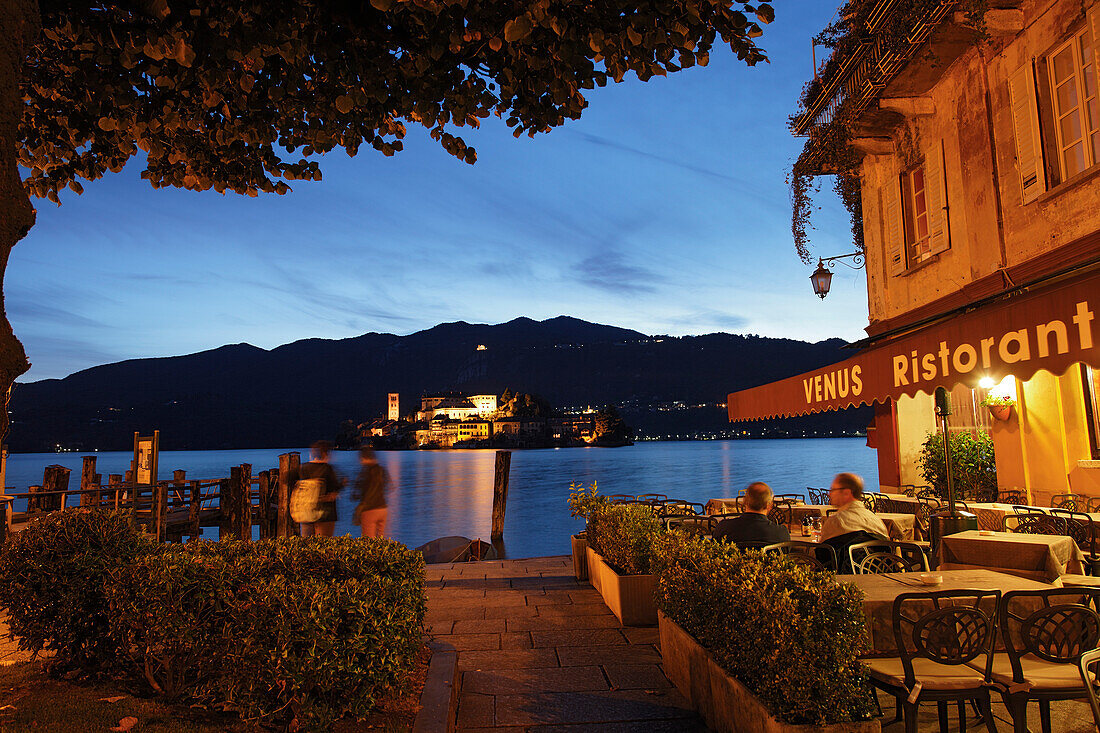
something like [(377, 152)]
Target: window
[(915, 207), (1091, 379), (915, 212), (1056, 112), (1071, 70)]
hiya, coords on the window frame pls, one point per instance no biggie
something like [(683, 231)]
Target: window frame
[(1048, 106), (918, 250)]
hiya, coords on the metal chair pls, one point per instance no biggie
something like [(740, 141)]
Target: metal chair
[(1043, 648), (781, 511), (936, 635), (877, 563), (679, 508), (1082, 529), (1012, 496), (695, 525), (790, 496), (817, 556), (1093, 504), (927, 492), (910, 554), (621, 499), (908, 490), (654, 498), (871, 501), (1089, 667), (1068, 502), (1034, 523), (818, 496)]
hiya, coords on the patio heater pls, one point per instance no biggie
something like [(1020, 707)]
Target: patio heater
[(947, 522)]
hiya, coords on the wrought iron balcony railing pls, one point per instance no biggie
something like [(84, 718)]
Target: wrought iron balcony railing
[(871, 66)]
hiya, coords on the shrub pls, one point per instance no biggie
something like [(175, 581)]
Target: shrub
[(623, 534), (973, 465), (295, 630), (52, 577), (789, 634), (582, 501)]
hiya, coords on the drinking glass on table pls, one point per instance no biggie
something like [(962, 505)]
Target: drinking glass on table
[(816, 533)]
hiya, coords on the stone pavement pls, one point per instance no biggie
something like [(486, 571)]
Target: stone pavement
[(538, 650)]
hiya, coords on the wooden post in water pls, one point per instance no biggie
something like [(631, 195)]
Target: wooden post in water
[(159, 520), (88, 482), (263, 506), (34, 503), (194, 515), (225, 501), (55, 478), (289, 463), (244, 499), (114, 481), (500, 492), (179, 480)]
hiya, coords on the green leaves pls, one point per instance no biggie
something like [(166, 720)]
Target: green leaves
[(789, 634), (973, 465), (220, 94)]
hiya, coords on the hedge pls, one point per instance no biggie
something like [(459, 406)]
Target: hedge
[(52, 583), (788, 633), (295, 632), (623, 535)]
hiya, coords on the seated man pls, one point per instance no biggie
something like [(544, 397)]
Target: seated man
[(753, 524), (853, 522)]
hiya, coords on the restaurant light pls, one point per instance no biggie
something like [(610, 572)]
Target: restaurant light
[(823, 278), (986, 383)]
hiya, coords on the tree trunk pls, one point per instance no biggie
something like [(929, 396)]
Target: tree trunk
[(19, 27)]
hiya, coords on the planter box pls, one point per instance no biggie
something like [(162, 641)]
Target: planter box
[(630, 597), (724, 703), (580, 556)]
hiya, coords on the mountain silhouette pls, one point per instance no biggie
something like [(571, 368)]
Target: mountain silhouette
[(242, 396)]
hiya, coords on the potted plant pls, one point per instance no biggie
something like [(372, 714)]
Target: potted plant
[(757, 643), (620, 544), (582, 502), (1000, 406)]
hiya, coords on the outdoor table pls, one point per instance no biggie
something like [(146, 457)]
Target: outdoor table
[(1036, 556), (903, 503), (879, 592), (722, 506), (902, 527), (991, 514)]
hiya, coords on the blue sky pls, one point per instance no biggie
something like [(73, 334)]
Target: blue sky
[(664, 209)]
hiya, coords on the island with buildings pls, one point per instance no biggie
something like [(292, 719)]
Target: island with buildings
[(459, 420)]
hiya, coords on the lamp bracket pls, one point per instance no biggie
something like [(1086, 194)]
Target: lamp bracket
[(859, 261)]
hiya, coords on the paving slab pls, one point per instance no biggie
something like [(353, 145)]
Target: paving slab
[(551, 623), (522, 681), (507, 659), (583, 656), (636, 676), (544, 708), (480, 626), (578, 637)]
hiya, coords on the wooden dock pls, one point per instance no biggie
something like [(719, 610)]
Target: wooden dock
[(170, 510)]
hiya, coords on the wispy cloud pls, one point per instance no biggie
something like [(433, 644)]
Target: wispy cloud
[(616, 145), (609, 271)]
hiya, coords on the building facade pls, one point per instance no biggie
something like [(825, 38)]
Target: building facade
[(979, 172)]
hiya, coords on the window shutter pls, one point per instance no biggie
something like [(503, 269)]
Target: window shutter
[(935, 192), (1025, 120), (895, 229)]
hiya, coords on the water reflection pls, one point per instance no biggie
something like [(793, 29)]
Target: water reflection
[(438, 493)]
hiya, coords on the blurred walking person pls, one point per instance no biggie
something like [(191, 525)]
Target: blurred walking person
[(316, 487), (370, 492)]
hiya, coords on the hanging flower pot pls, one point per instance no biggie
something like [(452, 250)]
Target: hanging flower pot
[(999, 407)]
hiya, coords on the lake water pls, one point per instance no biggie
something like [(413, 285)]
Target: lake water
[(438, 493)]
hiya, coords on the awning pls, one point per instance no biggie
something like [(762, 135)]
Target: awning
[(1047, 327)]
